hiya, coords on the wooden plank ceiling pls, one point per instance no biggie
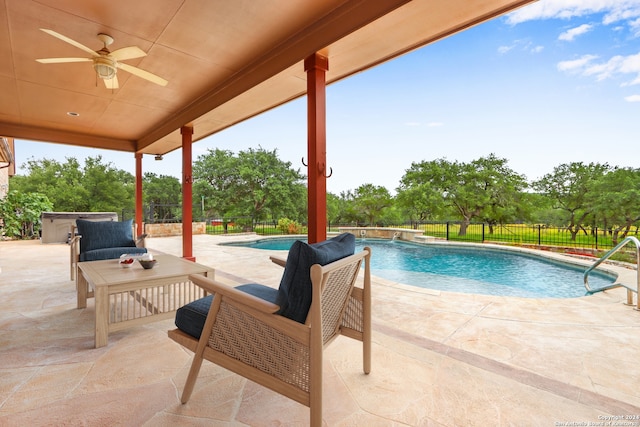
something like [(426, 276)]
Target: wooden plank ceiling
[(225, 61)]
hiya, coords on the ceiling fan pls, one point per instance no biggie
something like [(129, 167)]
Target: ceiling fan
[(106, 63)]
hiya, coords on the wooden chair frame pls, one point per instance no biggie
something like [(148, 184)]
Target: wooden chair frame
[(293, 367)]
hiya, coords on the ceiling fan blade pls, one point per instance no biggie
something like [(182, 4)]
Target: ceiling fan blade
[(62, 60), (143, 74), (112, 83), (70, 41), (130, 52)]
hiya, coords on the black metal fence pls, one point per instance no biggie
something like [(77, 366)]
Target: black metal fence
[(590, 238), (510, 234), (526, 235)]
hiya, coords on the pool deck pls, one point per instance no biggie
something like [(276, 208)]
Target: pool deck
[(439, 358)]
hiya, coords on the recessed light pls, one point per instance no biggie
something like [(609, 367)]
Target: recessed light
[(72, 114)]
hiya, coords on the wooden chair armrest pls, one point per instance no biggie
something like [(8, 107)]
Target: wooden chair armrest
[(214, 287), (281, 262), (254, 307)]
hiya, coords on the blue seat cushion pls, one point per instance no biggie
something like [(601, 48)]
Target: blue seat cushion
[(110, 253), (294, 294), (105, 234), (190, 318), (295, 291)]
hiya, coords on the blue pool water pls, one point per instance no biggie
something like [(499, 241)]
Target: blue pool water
[(470, 270)]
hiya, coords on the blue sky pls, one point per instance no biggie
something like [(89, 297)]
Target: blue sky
[(555, 82)]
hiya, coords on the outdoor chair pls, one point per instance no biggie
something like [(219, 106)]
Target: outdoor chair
[(276, 337), (98, 240)]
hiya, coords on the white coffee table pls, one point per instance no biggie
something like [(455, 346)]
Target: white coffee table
[(126, 297)]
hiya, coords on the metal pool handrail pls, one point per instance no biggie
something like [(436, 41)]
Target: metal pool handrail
[(630, 289)]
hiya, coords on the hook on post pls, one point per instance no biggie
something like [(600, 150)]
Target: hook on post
[(323, 169)]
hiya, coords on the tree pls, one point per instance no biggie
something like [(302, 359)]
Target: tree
[(371, 201), (507, 201), (20, 214), (61, 182), (440, 186), (417, 196), (392, 215), (333, 209), (614, 200), (483, 189), (348, 211), (255, 183), (109, 189), (163, 193), (542, 210), (569, 186), (214, 178), (96, 187)]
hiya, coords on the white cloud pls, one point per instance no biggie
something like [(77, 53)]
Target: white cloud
[(631, 64), (632, 98), (522, 44), (633, 82), (635, 27), (622, 11), (618, 64), (604, 70), (575, 65), (614, 10), (571, 34)]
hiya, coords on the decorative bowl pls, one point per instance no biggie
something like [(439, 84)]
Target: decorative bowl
[(126, 262), (147, 263)]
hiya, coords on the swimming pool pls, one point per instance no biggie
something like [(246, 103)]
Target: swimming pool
[(470, 270)]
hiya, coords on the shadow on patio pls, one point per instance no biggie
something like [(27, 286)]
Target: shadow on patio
[(438, 358)]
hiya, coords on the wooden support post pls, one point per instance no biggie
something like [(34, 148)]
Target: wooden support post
[(187, 193), (138, 192), (316, 67)]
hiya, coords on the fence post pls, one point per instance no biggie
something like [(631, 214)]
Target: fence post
[(596, 230), (539, 234), (483, 232), (447, 230)]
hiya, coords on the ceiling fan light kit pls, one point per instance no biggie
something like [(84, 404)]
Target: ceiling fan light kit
[(105, 67), (105, 63)]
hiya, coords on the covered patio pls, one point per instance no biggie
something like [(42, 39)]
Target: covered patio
[(439, 359), (156, 76)]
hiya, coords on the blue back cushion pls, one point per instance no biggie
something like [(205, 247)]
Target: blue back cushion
[(105, 234), (295, 291)]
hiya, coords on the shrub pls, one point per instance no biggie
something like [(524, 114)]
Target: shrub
[(21, 214), (288, 226)]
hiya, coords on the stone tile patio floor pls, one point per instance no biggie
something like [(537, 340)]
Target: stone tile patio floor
[(439, 359)]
